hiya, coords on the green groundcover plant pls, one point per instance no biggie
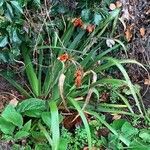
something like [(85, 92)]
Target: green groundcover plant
[(39, 126), (66, 65)]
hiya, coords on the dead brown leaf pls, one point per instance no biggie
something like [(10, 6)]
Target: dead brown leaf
[(128, 33), (93, 148), (118, 4), (116, 116), (13, 102), (61, 89), (112, 6), (147, 82), (104, 97), (103, 132), (72, 120), (142, 31)]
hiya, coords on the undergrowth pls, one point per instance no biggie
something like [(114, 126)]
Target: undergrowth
[(70, 93)]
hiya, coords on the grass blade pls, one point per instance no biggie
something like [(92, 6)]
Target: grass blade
[(130, 85), (30, 72), (54, 125), (16, 85), (76, 105), (45, 133), (125, 101), (40, 70), (122, 138), (77, 39)]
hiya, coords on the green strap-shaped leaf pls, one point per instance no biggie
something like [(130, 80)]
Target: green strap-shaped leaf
[(122, 138), (54, 125), (76, 105)]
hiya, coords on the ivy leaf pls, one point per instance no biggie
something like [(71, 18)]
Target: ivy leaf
[(4, 57), (37, 3), (1, 2), (11, 115), (10, 10), (85, 14), (6, 127), (15, 37), (16, 5), (97, 18), (3, 41)]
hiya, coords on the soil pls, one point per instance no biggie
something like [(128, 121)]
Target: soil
[(7, 92), (139, 46)]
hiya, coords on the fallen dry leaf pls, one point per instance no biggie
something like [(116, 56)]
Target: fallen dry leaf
[(93, 148), (116, 116), (147, 82), (128, 33), (103, 132), (73, 119), (13, 102), (61, 89), (104, 97), (118, 4), (112, 6), (142, 31)]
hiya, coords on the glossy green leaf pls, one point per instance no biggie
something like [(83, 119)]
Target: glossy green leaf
[(17, 6), (15, 37), (85, 14), (21, 135), (10, 10), (87, 128), (128, 130), (97, 18), (6, 127), (145, 135), (138, 145), (27, 126), (1, 2), (3, 41), (11, 115), (46, 134), (54, 125), (30, 71), (46, 117), (31, 104)]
